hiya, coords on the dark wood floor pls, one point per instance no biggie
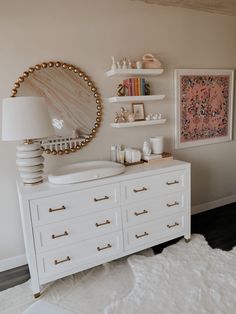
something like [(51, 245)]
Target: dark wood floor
[(217, 225)]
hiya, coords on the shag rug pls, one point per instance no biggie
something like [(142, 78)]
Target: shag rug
[(186, 278)]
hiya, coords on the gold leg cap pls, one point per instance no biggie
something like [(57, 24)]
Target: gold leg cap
[(37, 295)]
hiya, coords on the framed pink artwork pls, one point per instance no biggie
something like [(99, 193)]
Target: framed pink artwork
[(203, 106)]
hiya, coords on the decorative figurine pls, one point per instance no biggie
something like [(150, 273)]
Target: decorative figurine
[(123, 114), (129, 64), (147, 149), (118, 64), (113, 66), (117, 118), (139, 64), (124, 65), (130, 117)]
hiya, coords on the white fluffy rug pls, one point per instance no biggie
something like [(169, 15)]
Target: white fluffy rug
[(185, 278)]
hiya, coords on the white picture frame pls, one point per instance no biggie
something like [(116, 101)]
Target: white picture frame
[(203, 115)]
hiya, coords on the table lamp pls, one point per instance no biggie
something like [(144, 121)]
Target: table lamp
[(27, 119)]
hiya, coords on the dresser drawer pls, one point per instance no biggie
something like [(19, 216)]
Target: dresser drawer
[(147, 187), (60, 207), (74, 230), (148, 232), (147, 210), (63, 259)]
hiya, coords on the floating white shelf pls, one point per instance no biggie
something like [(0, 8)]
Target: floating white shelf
[(128, 72), (137, 123), (135, 98)]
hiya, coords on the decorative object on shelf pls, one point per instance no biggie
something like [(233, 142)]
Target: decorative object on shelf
[(134, 86), (146, 149), (121, 90), (153, 116), (129, 64), (204, 106), (124, 64), (118, 65), (113, 65), (150, 62), (130, 117), (157, 144), (27, 119), (139, 65), (72, 98), (122, 116), (138, 111)]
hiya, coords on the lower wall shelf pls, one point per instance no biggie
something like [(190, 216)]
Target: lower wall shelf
[(137, 123)]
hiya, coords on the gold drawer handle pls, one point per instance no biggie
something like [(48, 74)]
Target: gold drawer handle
[(174, 182), (101, 199), (173, 204), (141, 235), (174, 225), (104, 248), (141, 213), (140, 190), (60, 235), (56, 209), (103, 223), (67, 259)]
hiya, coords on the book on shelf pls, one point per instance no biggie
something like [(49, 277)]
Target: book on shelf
[(134, 86), (153, 158)]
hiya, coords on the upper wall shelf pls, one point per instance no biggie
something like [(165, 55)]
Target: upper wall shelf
[(128, 72), (135, 98)]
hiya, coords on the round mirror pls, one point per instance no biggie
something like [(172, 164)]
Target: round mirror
[(73, 102)]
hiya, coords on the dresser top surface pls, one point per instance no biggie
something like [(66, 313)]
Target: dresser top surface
[(131, 172)]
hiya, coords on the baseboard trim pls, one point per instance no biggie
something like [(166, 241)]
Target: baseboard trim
[(12, 262), (214, 204)]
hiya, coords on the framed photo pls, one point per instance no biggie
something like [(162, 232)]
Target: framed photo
[(203, 106), (139, 112)]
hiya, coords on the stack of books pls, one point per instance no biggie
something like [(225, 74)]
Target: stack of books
[(153, 158), (135, 86)]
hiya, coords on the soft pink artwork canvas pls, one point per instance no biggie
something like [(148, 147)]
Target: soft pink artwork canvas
[(204, 107)]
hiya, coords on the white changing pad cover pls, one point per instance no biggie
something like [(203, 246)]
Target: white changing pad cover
[(41, 306)]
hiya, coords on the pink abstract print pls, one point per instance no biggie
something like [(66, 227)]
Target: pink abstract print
[(204, 107)]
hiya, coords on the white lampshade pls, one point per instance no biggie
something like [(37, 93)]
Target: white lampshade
[(25, 118)]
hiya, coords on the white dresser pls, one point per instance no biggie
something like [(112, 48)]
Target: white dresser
[(69, 228)]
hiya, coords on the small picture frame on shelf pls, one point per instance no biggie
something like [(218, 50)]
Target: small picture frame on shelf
[(138, 111)]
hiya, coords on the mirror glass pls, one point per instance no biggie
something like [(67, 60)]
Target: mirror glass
[(73, 102)]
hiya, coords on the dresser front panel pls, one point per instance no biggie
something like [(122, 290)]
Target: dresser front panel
[(148, 232), (151, 186), (65, 206), (62, 259), (78, 229), (147, 210)]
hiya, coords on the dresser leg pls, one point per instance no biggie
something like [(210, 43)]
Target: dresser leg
[(187, 240), (37, 295)]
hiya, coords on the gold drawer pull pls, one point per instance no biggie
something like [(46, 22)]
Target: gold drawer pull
[(67, 259), (174, 225), (104, 248), (141, 213), (140, 190), (60, 235), (173, 204), (174, 182), (107, 222), (101, 199), (56, 209), (141, 235)]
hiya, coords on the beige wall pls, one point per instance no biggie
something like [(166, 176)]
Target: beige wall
[(87, 33)]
